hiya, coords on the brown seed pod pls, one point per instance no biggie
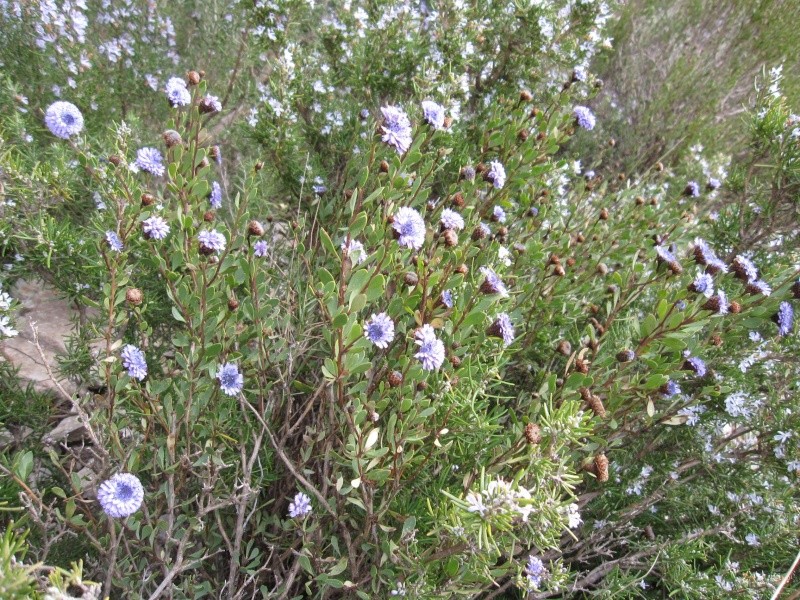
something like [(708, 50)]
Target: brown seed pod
[(559, 271), (523, 134), (148, 199), (233, 304), (735, 307), (455, 361), (450, 237), (411, 279), (384, 166), (716, 339), (626, 356), (564, 347), (134, 296), (533, 433), (596, 404), (115, 160), (526, 96), (208, 216), (171, 138), (457, 200), (582, 366), (604, 214), (570, 262), (255, 228), (193, 77), (601, 465), (554, 260), (421, 386), (395, 378), (639, 201), (462, 269)]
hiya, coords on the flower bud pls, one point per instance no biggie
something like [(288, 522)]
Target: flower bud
[(570, 262), (193, 77), (115, 160), (233, 304), (525, 96), (462, 269), (639, 201), (450, 237), (457, 200), (411, 279), (716, 339), (602, 268), (455, 361), (171, 138), (541, 135), (448, 121), (564, 347), (421, 386), (554, 260), (604, 214), (626, 356), (395, 378), (258, 166), (523, 134), (582, 366), (148, 199), (208, 216), (533, 433), (134, 296), (596, 404), (384, 166), (255, 228), (559, 271), (735, 307)]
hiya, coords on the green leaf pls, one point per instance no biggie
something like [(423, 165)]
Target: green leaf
[(177, 315), (327, 243)]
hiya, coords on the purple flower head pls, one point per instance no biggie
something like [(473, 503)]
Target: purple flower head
[(260, 249), (396, 128), (452, 220), (535, 571), (670, 389), (379, 330), (498, 214), (113, 241), (744, 268), (230, 380), (210, 105), (692, 189), (63, 119), (447, 298), (703, 284), (704, 255), (211, 241), (758, 286), (121, 496), (155, 228), (300, 506), (215, 197), (177, 92), (696, 364), (584, 117), (718, 303), (134, 362), (493, 284), (502, 328), (468, 173), (150, 161), (713, 184), (431, 349), (433, 113), (664, 255), (410, 227), (496, 174), (355, 250), (784, 318)]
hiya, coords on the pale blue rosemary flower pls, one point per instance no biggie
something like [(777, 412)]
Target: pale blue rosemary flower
[(496, 174), (260, 249), (584, 117), (150, 161), (300, 506), (396, 128), (535, 571), (355, 250), (784, 318), (450, 219), (433, 113), (114, 242), (211, 241), (492, 284), (502, 328), (215, 196), (177, 92)]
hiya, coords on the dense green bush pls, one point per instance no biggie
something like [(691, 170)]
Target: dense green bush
[(388, 338)]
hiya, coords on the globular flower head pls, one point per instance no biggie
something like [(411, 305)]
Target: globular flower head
[(409, 227), (784, 318), (744, 268), (300, 506), (230, 380), (355, 250), (692, 189), (379, 330), (492, 284), (718, 303), (63, 119), (114, 242), (446, 298), (696, 364), (584, 117), (758, 287), (498, 214), (431, 349), (703, 284), (260, 249), (177, 92), (535, 571), (134, 362), (496, 174), (450, 219), (150, 161), (433, 113), (396, 128), (210, 105), (215, 196), (155, 228), (670, 389), (502, 328), (211, 241), (121, 496), (713, 184), (704, 255)]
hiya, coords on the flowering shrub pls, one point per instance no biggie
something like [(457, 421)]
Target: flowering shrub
[(417, 352)]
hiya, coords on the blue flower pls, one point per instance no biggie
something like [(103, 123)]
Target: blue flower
[(452, 220), (670, 389), (211, 241), (498, 214), (718, 304), (758, 286), (63, 119), (703, 284), (664, 255), (396, 128), (535, 571), (431, 349), (230, 380), (447, 298), (493, 284), (300, 506), (260, 249), (713, 184), (496, 174), (744, 269), (502, 328), (410, 228), (215, 197), (354, 250), (584, 117), (433, 113), (704, 255), (697, 365), (692, 189), (133, 360), (155, 228), (150, 161), (210, 105), (114, 242), (785, 318), (121, 496), (379, 330), (177, 92)]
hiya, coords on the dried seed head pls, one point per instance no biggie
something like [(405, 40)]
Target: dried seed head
[(559, 271), (395, 378), (171, 138), (462, 269), (134, 296), (564, 347), (422, 386), (602, 268), (411, 279), (115, 160), (639, 201), (233, 304), (570, 262), (193, 77), (479, 233), (457, 200), (541, 135), (148, 199), (450, 237), (596, 404), (455, 361), (384, 166), (533, 433), (255, 228), (523, 134), (258, 166), (554, 260), (525, 96), (448, 121), (735, 307), (208, 216), (601, 465), (604, 214), (716, 339), (582, 366)]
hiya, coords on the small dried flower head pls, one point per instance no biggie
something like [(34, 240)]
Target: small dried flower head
[(121, 496), (216, 154), (202, 165), (433, 114), (462, 269), (255, 228), (481, 231), (784, 318), (564, 347), (155, 228), (193, 77), (639, 200), (696, 364), (502, 328), (523, 134), (496, 174), (409, 228), (525, 96), (626, 356), (300, 506), (208, 216), (716, 339), (744, 269), (177, 92), (134, 362), (230, 380), (171, 138), (148, 199), (431, 349), (533, 433), (596, 404), (450, 238), (395, 378), (601, 467), (604, 214), (63, 119), (582, 365), (115, 160), (450, 219), (692, 189), (134, 296), (233, 304), (379, 330), (492, 284), (602, 268), (150, 161), (559, 271), (735, 307), (457, 200), (584, 117), (411, 279), (210, 105)]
